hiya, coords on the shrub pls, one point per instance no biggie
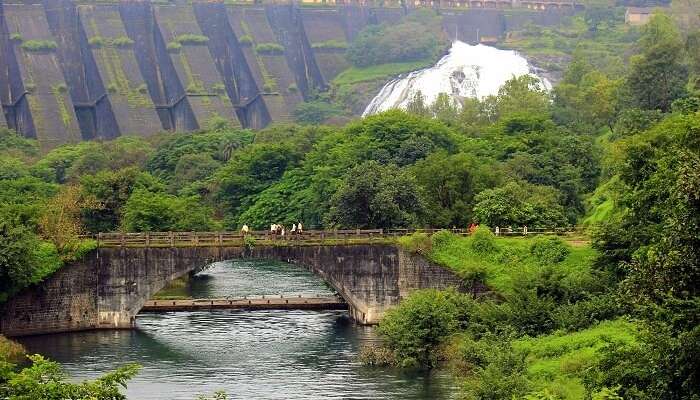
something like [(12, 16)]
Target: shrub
[(79, 250), (249, 242), (585, 313), (269, 48), (484, 241), (219, 88), (331, 45), (529, 313), (112, 88), (268, 87), (417, 243), (191, 39), (143, 89), (16, 37), (497, 370), (315, 112), (293, 88), (194, 88), (418, 326), (39, 45), (174, 47), (550, 250), (121, 41), (96, 42), (442, 239), (246, 40)]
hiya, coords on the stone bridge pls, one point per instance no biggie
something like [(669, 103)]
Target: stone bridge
[(110, 285)]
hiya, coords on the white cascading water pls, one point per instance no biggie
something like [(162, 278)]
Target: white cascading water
[(466, 71)]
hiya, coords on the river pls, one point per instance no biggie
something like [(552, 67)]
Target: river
[(249, 354)]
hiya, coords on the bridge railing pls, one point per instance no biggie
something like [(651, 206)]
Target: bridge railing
[(212, 239), (204, 239)]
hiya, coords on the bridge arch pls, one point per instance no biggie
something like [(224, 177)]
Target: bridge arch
[(332, 264), (109, 286)]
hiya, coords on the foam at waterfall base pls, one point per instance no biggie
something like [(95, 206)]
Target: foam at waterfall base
[(466, 71)]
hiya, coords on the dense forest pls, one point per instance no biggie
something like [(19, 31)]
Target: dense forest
[(614, 148)]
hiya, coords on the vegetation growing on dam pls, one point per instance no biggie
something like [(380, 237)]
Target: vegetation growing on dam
[(417, 37)]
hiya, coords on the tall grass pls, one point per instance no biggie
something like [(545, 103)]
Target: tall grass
[(11, 352), (556, 362)]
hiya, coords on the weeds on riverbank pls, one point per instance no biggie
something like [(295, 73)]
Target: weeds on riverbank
[(534, 336)]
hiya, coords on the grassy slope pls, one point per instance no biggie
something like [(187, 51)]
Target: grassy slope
[(556, 361), (511, 261), (354, 75)]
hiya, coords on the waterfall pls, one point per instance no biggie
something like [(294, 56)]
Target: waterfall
[(466, 71)]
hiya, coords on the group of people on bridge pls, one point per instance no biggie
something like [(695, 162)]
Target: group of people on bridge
[(498, 231), (279, 229), (508, 230)]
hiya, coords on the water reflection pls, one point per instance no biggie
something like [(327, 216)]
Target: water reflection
[(251, 355)]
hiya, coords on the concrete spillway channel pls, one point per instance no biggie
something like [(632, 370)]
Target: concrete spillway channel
[(270, 69), (48, 98), (13, 94), (326, 26), (90, 100), (157, 69), (194, 65), (116, 60), (239, 82)]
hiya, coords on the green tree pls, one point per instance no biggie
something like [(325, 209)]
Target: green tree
[(525, 95), (375, 196), (653, 244), (315, 112), (24, 259), (250, 171), (517, 204), (45, 379), (445, 109), (658, 75), (417, 106), (398, 137), (111, 190), (159, 212), (192, 168), (450, 183), (219, 144)]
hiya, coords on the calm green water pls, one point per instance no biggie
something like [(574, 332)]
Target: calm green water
[(251, 355)]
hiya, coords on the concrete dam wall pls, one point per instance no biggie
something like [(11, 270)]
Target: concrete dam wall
[(110, 285), (72, 70)]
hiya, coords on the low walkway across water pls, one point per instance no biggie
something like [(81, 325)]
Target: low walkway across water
[(257, 303)]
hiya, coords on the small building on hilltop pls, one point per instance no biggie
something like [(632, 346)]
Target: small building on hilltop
[(638, 15)]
